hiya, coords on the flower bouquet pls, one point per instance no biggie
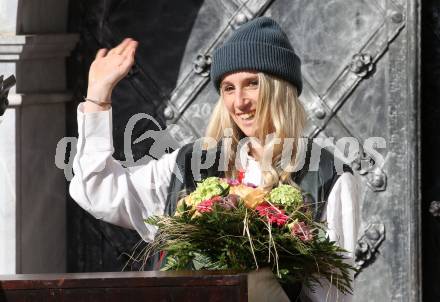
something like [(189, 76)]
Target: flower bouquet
[(225, 224)]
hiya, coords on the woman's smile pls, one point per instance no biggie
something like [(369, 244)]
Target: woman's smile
[(247, 116)]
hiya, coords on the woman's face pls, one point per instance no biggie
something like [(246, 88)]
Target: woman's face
[(240, 94)]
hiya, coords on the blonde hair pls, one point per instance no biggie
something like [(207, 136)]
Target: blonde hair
[(279, 112)]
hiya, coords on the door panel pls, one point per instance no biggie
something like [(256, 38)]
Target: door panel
[(360, 79)]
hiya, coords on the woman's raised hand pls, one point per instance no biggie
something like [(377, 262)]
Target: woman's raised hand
[(108, 68)]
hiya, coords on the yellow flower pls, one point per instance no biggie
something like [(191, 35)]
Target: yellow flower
[(183, 204), (254, 198), (251, 197), (240, 190), (189, 200)]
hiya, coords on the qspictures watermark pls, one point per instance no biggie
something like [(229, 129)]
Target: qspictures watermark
[(345, 150)]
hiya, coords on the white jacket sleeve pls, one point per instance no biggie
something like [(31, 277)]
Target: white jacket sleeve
[(342, 215), (109, 191)]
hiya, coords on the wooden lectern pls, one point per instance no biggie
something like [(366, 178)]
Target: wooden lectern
[(126, 286), (192, 286)]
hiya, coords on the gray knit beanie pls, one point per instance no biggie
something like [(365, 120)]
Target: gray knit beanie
[(258, 45)]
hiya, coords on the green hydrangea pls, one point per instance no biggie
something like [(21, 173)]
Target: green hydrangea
[(286, 196), (208, 188)]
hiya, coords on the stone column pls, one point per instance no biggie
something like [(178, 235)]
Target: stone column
[(33, 46)]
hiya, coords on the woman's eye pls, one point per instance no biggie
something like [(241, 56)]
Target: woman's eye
[(228, 88), (254, 83)]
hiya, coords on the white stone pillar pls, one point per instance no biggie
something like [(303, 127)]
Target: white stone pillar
[(32, 189)]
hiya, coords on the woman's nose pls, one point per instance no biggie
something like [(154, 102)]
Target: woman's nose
[(241, 100)]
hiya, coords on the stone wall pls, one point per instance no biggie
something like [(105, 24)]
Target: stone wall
[(33, 46)]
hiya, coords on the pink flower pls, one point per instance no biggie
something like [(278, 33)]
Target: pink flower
[(233, 182), (248, 184), (273, 214), (301, 230), (206, 205)]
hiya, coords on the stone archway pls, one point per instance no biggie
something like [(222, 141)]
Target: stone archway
[(33, 46)]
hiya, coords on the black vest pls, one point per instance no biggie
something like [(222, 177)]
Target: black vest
[(317, 184)]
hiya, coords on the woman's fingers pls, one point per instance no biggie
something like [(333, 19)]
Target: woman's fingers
[(128, 55), (130, 49), (101, 53), (120, 48), (111, 66), (127, 63)]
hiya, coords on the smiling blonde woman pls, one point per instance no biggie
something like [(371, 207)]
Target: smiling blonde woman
[(258, 76), (255, 104)]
